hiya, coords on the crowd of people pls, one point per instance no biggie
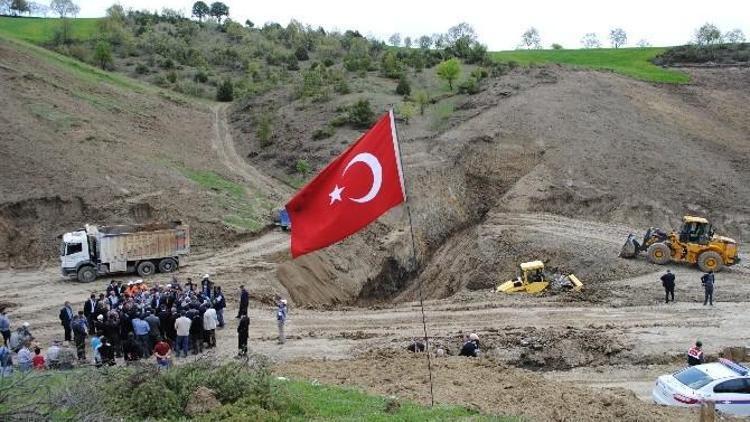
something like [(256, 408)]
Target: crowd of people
[(133, 321)]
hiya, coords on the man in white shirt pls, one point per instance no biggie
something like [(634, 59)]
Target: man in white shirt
[(210, 321), (182, 326)]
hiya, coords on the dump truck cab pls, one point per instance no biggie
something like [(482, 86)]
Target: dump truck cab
[(74, 252)]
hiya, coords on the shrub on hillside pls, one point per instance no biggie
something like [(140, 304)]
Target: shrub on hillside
[(172, 76), (403, 87), (323, 133), (264, 130), (225, 91), (361, 115), (301, 54), (201, 76), (141, 69), (469, 86)]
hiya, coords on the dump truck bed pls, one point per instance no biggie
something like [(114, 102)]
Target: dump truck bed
[(139, 242)]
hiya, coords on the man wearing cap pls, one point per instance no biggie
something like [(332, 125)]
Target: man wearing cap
[(667, 281)]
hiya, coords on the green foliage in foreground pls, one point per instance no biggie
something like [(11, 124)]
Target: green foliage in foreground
[(41, 30), (246, 392), (633, 62)]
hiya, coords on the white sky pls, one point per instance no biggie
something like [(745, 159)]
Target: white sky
[(499, 24)]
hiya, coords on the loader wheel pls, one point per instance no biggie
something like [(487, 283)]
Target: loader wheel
[(710, 261), (167, 265), (146, 268), (86, 274), (659, 253)]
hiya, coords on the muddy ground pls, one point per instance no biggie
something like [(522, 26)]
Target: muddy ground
[(572, 356)]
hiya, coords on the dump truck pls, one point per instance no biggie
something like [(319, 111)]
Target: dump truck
[(533, 278), (94, 250), (695, 243)]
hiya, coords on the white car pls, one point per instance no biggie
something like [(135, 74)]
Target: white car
[(725, 382)]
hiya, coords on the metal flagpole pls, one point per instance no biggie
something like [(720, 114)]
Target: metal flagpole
[(414, 260)]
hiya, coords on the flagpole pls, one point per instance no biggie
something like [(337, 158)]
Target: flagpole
[(414, 260)]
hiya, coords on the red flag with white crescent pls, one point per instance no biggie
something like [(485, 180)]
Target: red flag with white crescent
[(355, 189)]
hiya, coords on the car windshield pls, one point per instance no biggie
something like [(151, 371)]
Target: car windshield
[(693, 377)]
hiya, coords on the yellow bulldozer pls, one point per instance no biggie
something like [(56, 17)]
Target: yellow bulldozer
[(695, 243), (533, 278)]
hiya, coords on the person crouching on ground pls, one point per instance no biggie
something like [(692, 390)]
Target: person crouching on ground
[(163, 354), (470, 347), (695, 354)]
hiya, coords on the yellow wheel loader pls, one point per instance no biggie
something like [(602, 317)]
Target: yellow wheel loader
[(695, 243), (534, 279)]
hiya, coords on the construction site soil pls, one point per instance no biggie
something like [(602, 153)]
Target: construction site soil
[(544, 163)]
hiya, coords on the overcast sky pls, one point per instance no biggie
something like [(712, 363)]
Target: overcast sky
[(499, 24)]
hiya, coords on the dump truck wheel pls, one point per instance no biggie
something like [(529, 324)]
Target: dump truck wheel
[(167, 265), (146, 268), (710, 261), (659, 253), (86, 274)]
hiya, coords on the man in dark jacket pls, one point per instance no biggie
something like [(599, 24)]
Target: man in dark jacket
[(667, 280), (219, 304), (708, 288), (89, 311), (243, 330), (196, 333), (66, 318), (79, 334), (244, 301)]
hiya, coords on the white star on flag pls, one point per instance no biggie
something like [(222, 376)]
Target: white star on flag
[(335, 194)]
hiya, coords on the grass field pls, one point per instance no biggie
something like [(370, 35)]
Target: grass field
[(633, 62), (40, 30)]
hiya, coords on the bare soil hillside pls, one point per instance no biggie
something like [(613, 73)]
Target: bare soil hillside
[(591, 147), (79, 147)]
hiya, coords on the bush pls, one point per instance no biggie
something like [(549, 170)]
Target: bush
[(328, 62), (323, 133), (201, 76), (301, 54), (361, 115), (556, 46), (264, 130), (172, 76), (167, 64), (403, 87), (302, 167), (469, 86), (225, 91), (141, 69)]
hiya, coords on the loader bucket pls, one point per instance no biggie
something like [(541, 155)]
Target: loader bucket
[(577, 284), (628, 249)]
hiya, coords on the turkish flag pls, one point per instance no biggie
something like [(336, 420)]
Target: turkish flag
[(356, 188)]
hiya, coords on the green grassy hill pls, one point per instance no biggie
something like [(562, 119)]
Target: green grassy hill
[(41, 30), (633, 62)]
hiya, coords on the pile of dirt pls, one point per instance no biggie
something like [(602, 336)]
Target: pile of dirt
[(484, 384)]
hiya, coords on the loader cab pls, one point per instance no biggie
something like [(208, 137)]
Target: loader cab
[(74, 249), (532, 272), (696, 230)]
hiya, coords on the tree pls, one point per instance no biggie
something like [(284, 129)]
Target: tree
[(38, 9), (422, 98), (200, 10), (407, 42), (219, 10), (4, 7), (424, 42), (225, 91), (708, 34), (531, 38), (643, 43), (395, 39), (103, 54), (735, 36), (249, 23), (590, 40), (438, 40), (461, 31), (64, 8), (449, 70), (403, 87), (618, 37), (556, 46), (19, 6)]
